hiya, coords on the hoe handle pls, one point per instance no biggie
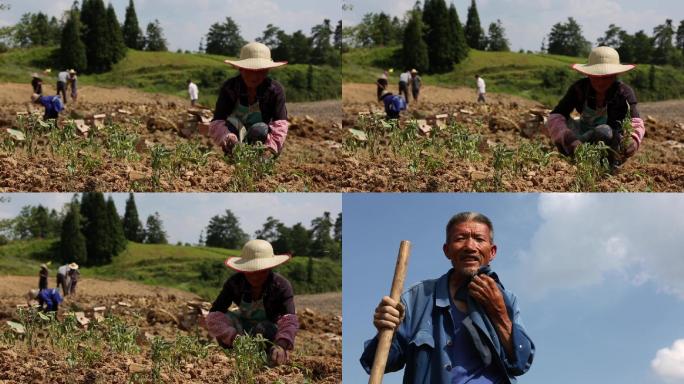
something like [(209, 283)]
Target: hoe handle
[(385, 335)]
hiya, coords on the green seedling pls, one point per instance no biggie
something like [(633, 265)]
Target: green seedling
[(160, 161), (120, 337), (462, 143), (251, 164), (502, 162), (591, 161), (160, 354), (249, 353)]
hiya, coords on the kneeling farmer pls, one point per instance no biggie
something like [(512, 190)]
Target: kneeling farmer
[(264, 298), (53, 105), (251, 106)]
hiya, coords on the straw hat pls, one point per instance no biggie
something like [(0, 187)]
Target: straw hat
[(603, 61), (43, 266), (73, 266), (255, 56), (72, 71), (256, 255), (414, 71), (36, 75)]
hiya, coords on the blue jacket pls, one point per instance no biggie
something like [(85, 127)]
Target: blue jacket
[(50, 297), (423, 339)]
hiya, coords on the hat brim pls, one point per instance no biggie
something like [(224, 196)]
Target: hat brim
[(602, 70), (255, 64), (241, 264), (73, 266)]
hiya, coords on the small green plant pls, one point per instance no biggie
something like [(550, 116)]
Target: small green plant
[(249, 353), (591, 161), (252, 163), (502, 162), (160, 161), (120, 143), (120, 336), (189, 153), (160, 354), (462, 143)]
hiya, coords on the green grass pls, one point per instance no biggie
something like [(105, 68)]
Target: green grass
[(540, 77), (195, 269), (167, 72)]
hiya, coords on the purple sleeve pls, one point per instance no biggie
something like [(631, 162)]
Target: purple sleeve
[(279, 109), (287, 330)]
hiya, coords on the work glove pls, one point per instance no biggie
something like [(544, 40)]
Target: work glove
[(222, 136)]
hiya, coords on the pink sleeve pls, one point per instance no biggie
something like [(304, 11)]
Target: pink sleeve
[(287, 329), (556, 127), (217, 324), (276, 136), (639, 130), (218, 131)]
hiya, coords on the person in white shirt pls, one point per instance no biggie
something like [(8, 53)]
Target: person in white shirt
[(62, 79), (193, 92), (480, 89), (404, 79)]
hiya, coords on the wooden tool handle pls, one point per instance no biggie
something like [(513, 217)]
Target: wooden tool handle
[(385, 336)]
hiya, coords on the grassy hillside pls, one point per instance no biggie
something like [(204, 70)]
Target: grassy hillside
[(167, 72), (540, 77), (195, 269)]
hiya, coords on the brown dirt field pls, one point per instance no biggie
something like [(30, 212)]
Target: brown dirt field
[(658, 166), (317, 355)]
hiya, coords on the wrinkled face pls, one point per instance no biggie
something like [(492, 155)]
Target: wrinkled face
[(253, 78), (601, 84), (257, 279), (469, 246)]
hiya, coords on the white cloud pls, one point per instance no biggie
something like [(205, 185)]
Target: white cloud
[(584, 239), (669, 363)]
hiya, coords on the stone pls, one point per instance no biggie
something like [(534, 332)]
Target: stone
[(478, 175)]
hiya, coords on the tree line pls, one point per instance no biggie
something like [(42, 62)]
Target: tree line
[(432, 38)]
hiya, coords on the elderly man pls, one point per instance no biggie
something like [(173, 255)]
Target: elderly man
[(463, 327)]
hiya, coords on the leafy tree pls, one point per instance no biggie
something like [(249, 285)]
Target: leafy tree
[(72, 244), (567, 39), (611, 38), (132, 227), (337, 37), (459, 45), (322, 244), (270, 37), (72, 51), (414, 50), (116, 41), (225, 232), (132, 34), (116, 231), (680, 36), (34, 222), (474, 34), (322, 51), (224, 38), (96, 228), (154, 38), (496, 41), (663, 35), (300, 240), (642, 47), (34, 29), (154, 230), (437, 37), (337, 230), (300, 48)]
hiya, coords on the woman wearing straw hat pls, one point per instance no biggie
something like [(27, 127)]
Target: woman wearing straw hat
[(74, 276), (603, 102), (72, 83), (37, 83), (251, 106), (264, 299), (43, 277)]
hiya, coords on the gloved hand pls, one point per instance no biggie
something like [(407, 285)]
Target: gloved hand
[(278, 355), (226, 340), (567, 143)]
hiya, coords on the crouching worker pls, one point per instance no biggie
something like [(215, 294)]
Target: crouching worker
[(251, 106), (264, 299), (48, 299), (394, 104), (603, 103), (53, 105)]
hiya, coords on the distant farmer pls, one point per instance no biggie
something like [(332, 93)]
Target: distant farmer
[(37, 83), (43, 277), (73, 277), (193, 92), (53, 105), (394, 104), (404, 79), (62, 279), (416, 82), (264, 299), (462, 327), (251, 106), (49, 299), (381, 84), (603, 103), (480, 89), (72, 82), (62, 79)]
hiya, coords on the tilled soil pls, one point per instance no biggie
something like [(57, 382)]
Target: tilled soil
[(509, 120), (158, 311)]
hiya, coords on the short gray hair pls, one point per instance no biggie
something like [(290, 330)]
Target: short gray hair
[(463, 217)]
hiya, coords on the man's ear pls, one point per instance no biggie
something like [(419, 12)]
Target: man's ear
[(444, 249), (492, 253)]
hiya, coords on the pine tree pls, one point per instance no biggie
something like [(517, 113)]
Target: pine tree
[(154, 38), (473, 31), (154, 230), (132, 34), (132, 227), (118, 239), (72, 244), (95, 227), (437, 38), (72, 51), (95, 38), (414, 50), (459, 47), (116, 40)]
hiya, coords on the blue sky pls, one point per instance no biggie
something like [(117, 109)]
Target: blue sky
[(598, 276), (185, 22), (528, 21), (186, 214)]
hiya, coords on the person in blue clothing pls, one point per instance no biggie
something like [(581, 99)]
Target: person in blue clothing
[(53, 105), (394, 104), (462, 327), (48, 298)]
